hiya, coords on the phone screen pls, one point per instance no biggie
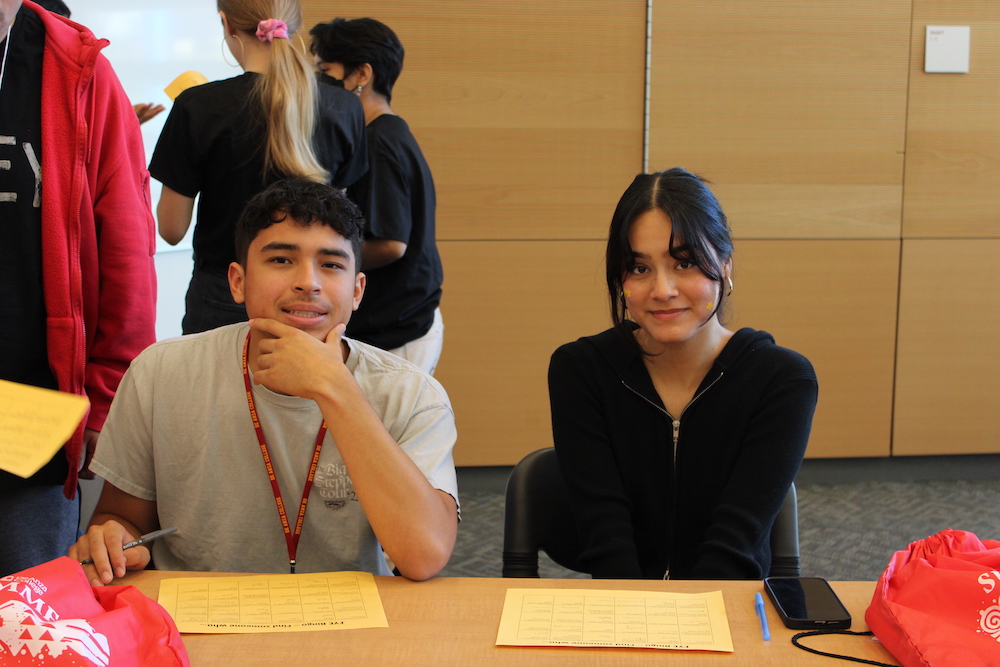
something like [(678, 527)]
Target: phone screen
[(807, 599)]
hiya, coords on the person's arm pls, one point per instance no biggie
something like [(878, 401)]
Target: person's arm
[(179, 162), (584, 449), (344, 127), (415, 523), (770, 454), (125, 277), (90, 437), (124, 458), (173, 213), (387, 199), (379, 252), (119, 518)]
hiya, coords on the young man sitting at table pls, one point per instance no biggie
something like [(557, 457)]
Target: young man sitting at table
[(201, 423)]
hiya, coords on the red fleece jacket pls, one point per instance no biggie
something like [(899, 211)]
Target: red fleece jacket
[(98, 235)]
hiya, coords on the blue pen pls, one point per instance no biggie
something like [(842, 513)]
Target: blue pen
[(762, 615)]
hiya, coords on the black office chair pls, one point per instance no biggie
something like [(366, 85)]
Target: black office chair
[(538, 516), (785, 559)]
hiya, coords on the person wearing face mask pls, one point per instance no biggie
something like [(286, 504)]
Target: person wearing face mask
[(678, 437), (224, 141), (400, 312)]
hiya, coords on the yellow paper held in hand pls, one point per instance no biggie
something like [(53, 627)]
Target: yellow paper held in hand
[(183, 82), (34, 424)]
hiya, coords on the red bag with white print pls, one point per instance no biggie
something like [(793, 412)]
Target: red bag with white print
[(51, 616), (938, 602)]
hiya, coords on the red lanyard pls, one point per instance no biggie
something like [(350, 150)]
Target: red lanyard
[(291, 538)]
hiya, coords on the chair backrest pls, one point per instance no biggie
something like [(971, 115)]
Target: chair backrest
[(785, 560), (538, 515)]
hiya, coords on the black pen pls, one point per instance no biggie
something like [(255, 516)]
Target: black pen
[(148, 537)]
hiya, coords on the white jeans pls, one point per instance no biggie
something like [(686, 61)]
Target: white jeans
[(426, 350)]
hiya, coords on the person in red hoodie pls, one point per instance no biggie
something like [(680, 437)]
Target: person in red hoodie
[(77, 282)]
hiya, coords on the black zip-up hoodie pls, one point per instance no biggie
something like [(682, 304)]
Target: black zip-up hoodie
[(689, 496)]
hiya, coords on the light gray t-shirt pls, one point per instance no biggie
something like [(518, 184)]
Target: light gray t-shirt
[(179, 433)]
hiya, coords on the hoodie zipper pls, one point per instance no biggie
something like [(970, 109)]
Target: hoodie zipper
[(676, 426), (85, 96)]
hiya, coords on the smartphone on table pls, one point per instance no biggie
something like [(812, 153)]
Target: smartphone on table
[(807, 603)]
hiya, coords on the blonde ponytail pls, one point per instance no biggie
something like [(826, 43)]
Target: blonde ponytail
[(285, 90)]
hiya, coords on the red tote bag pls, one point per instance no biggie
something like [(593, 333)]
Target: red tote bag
[(938, 602), (51, 616)]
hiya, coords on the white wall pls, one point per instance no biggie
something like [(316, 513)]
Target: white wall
[(153, 41)]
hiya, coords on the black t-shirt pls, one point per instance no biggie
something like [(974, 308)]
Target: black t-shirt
[(213, 145), (23, 354), (23, 357), (398, 200)]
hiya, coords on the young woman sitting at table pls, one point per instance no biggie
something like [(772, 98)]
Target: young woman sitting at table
[(678, 437)]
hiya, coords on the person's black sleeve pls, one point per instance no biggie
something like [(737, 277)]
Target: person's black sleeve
[(770, 455), (584, 449)]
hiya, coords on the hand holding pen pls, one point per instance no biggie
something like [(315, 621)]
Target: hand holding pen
[(145, 539), (109, 548)]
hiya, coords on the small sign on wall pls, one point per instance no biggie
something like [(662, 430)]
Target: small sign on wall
[(947, 49)]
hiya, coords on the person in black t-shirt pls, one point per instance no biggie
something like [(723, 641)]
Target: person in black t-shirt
[(400, 312), (224, 141)]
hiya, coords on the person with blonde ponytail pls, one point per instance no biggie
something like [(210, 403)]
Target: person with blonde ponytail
[(227, 140)]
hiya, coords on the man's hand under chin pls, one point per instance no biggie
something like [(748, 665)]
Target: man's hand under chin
[(291, 361)]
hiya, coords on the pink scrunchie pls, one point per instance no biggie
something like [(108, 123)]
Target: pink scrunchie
[(270, 29)]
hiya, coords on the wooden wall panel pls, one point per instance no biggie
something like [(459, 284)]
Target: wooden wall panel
[(530, 112), (834, 302), (953, 132), (507, 306), (527, 184), (948, 387), (795, 110)]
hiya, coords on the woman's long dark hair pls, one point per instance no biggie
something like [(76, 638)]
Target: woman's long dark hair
[(700, 233)]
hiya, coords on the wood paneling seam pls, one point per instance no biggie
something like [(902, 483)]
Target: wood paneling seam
[(645, 104)]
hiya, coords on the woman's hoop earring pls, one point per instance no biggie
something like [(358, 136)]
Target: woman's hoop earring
[(224, 58), (224, 49), (625, 295), (730, 286)]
